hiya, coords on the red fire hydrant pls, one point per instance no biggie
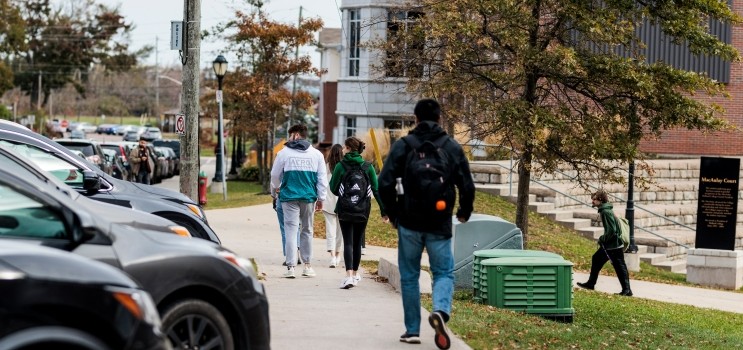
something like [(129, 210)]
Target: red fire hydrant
[(202, 188)]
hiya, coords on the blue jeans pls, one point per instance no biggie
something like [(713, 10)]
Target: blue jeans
[(410, 246), (280, 214)]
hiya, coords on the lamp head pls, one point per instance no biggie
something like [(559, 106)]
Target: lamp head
[(220, 66)]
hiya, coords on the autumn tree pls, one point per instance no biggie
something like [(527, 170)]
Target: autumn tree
[(562, 83), (62, 44), (12, 28), (256, 97)]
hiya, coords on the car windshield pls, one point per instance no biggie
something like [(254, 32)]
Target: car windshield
[(86, 148), (59, 168), (114, 148)]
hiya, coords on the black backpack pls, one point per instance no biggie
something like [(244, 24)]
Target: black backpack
[(427, 180), (354, 197)]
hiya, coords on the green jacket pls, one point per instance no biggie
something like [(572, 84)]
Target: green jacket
[(610, 239), (354, 158)]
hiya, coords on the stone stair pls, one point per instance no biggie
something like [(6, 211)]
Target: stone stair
[(674, 195)]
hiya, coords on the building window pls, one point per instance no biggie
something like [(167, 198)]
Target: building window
[(404, 51), (354, 20), (350, 127), (398, 128)]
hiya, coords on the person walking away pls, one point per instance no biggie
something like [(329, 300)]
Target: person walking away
[(299, 173), (354, 181), (610, 247), (333, 235), (142, 164), (417, 186), (280, 217)]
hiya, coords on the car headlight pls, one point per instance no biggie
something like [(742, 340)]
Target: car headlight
[(8, 272), (138, 302), (180, 230), (244, 265), (196, 210)]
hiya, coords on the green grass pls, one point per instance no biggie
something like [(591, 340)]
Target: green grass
[(239, 194), (601, 322)]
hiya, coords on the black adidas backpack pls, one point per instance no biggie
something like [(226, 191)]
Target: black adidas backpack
[(426, 181), (354, 197)]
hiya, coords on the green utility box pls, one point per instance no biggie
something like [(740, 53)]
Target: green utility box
[(535, 285), (480, 232), (481, 255)]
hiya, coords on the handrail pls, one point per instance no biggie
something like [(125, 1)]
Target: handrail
[(586, 204)]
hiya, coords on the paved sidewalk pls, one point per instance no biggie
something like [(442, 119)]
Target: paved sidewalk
[(314, 313)]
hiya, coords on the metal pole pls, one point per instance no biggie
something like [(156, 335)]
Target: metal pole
[(630, 212), (220, 144)]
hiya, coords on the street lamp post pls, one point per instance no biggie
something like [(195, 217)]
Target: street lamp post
[(220, 68), (630, 210)]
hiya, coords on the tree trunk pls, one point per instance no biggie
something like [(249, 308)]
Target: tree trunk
[(522, 202)]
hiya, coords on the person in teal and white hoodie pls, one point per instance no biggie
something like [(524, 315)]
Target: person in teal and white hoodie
[(300, 174)]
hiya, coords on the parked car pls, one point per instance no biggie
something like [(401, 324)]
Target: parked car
[(131, 136), (77, 134), (92, 151), (92, 182), (85, 127), (206, 295), (151, 134), (118, 169), (162, 163), (170, 157), (122, 152), (175, 145), (43, 287), (108, 129), (123, 129)]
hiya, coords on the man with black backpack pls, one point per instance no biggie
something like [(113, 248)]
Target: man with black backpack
[(417, 187)]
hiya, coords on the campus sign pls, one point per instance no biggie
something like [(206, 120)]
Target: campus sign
[(717, 210)]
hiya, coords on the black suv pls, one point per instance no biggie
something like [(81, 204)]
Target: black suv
[(92, 182), (206, 295), (42, 288)]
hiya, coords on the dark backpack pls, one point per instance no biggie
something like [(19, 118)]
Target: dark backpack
[(427, 180), (354, 197)]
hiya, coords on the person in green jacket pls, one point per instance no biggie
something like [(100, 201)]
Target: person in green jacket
[(353, 228), (610, 248)]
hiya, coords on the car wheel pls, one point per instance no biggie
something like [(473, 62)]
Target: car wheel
[(51, 337), (195, 324)]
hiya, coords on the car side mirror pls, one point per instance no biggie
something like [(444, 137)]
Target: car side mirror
[(83, 229), (91, 181)]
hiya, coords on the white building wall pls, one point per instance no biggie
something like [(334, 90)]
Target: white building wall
[(368, 97)]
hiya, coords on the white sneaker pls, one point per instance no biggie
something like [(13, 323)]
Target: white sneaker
[(333, 262), (356, 279), (289, 272), (363, 251), (347, 283), (308, 272)]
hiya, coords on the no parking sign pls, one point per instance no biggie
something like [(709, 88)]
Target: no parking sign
[(180, 124)]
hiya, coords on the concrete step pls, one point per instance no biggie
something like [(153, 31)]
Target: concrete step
[(576, 223), (541, 207), (558, 215), (676, 266), (653, 258), (592, 232)]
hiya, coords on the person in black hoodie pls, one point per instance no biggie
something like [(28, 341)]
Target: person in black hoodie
[(432, 233)]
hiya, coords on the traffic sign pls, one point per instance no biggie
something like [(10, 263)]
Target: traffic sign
[(180, 124)]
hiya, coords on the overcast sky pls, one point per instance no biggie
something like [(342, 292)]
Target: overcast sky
[(152, 19)]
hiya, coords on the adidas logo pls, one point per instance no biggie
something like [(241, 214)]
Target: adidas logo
[(355, 187)]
